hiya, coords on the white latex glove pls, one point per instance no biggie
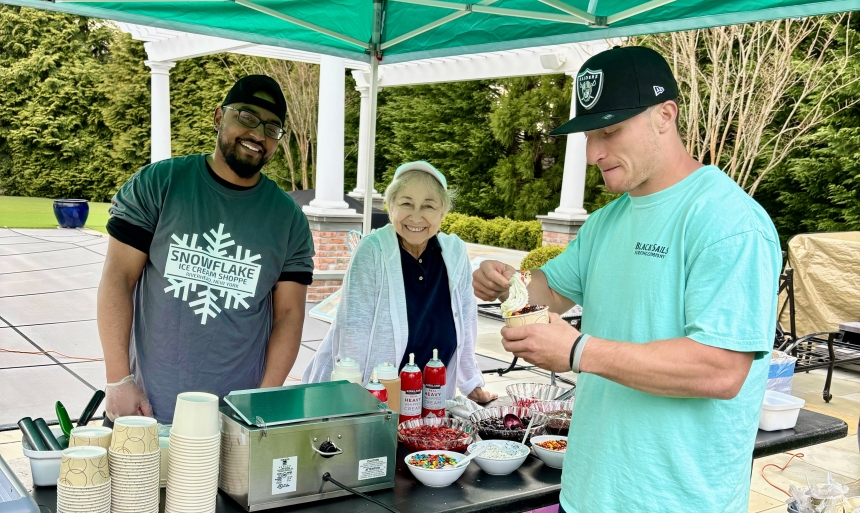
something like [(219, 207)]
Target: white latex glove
[(126, 398)]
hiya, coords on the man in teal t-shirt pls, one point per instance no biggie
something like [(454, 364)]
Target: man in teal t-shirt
[(677, 280)]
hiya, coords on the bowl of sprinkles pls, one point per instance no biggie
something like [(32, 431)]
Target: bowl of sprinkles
[(550, 449), (435, 468), (501, 457)]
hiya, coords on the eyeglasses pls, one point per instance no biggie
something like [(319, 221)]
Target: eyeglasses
[(250, 120)]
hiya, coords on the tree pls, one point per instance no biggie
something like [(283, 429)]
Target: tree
[(528, 178), (51, 136), (751, 93), (300, 84), (816, 188), (448, 126)]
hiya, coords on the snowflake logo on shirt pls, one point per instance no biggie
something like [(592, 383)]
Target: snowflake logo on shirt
[(211, 273)]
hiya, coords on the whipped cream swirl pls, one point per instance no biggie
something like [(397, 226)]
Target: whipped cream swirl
[(518, 294)]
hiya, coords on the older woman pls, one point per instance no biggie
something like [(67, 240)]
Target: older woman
[(408, 290)]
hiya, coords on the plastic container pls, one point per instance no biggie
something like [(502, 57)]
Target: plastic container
[(45, 465), (388, 376), (347, 369), (416, 442), (779, 411)]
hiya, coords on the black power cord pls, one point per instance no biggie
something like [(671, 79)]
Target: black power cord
[(327, 477)]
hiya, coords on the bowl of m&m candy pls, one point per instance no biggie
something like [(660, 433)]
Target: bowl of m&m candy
[(550, 449), (436, 468)]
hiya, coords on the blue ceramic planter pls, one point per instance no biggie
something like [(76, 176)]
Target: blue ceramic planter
[(71, 213)]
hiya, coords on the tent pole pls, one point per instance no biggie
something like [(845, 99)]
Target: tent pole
[(375, 42), (371, 145)]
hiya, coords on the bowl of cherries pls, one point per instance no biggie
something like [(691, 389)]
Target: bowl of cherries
[(433, 433)]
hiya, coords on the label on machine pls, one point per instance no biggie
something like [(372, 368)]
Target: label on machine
[(372, 468), (284, 473)]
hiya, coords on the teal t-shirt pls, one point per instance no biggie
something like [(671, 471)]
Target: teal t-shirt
[(701, 260)]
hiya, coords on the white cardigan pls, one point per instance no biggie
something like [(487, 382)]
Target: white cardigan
[(371, 325)]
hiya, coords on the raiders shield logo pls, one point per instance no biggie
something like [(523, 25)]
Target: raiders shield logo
[(589, 85)]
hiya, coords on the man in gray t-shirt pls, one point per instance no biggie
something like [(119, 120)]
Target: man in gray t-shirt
[(207, 267)]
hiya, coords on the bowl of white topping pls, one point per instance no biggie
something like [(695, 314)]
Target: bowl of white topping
[(501, 457)]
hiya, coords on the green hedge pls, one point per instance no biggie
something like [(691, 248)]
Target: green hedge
[(500, 232), (540, 256)]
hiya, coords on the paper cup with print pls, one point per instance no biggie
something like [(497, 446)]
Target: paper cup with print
[(537, 317), (84, 466), (135, 435), (95, 436)]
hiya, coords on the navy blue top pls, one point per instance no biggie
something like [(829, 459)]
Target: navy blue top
[(428, 306)]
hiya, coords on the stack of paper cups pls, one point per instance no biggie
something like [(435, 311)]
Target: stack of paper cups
[(195, 445), (134, 461), (84, 484), (235, 457)]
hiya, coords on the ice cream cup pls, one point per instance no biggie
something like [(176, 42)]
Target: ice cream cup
[(135, 435), (196, 415), (84, 466), (96, 436), (537, 317)]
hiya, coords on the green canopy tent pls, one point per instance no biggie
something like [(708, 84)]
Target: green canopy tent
[(408, 30)]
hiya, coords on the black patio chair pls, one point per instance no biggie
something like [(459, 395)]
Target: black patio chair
[(824, 349)]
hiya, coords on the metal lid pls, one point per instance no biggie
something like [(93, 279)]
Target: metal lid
[(287, 405)]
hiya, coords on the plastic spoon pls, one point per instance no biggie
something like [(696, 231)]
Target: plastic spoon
[(63, 418), (472, 456), (528, 429)]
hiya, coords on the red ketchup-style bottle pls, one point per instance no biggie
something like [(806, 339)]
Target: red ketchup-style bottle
[(434, 388), (377, 389), (410, 391)]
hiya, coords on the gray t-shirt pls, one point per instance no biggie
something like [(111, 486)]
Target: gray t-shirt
[(203, 305)]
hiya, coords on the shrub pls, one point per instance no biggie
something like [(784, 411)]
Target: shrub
[(522, 235), (469, 228), (492, 232), (540, 256), (449, 220)]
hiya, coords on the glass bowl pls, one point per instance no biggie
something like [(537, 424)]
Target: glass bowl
[(558, 414), (526, 394), (489, 423), (437, 434)]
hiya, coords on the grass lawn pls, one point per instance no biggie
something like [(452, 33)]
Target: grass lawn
[(18, 212)]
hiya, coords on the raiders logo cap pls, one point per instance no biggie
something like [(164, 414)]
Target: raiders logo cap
[(618, 84)]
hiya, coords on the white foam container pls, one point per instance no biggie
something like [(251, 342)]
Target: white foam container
[(779, 411), (44, 465)]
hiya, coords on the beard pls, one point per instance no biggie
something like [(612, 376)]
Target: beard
[(244, 167)]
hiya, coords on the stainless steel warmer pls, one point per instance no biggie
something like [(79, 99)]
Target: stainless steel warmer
[(277, 443)]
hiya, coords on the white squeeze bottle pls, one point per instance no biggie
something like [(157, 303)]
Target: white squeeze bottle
[(388, 376), (348, 369)]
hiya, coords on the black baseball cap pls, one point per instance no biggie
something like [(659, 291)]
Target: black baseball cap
[(244, 89), (618, 84)]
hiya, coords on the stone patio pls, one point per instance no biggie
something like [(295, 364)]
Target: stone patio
[(48, 282)]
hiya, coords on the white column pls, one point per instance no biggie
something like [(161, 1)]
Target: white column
[(573, 180), (160, 109), (363, 142), (328, 196)]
